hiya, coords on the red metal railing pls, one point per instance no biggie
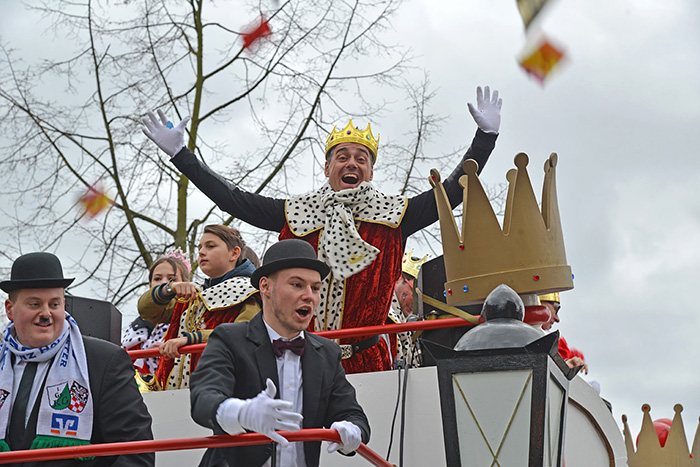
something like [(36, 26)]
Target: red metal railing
[(134, 447), (137, 447), (337, 334)]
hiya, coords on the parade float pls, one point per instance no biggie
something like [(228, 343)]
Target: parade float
[(493, 390)]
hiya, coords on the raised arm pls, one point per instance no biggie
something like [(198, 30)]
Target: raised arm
[(421, 210), (257, 210)]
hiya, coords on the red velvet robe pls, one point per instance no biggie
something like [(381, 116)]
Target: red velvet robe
[(368, 293), (567, 352)]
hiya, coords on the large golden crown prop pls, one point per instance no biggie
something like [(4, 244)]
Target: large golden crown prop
[(527, 254), (649, 451), (350, 134)]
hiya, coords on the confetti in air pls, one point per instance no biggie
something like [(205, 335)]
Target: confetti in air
[(94, 201), (251, 36), (540, 62)]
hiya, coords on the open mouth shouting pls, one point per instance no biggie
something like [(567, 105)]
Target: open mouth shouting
[(350, 179), (304, 311)]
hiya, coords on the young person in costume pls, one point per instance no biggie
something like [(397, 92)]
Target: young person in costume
[(57, 387), (348, 222), (193, 312), (234, 388), (142, 334)]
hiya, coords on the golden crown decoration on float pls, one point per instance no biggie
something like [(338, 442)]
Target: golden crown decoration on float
[(350, 134), (649, 451), (527, 254)]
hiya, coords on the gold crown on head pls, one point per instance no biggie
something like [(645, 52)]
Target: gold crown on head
[(649, 451), (527, 254), (411, 266), (350, 134), (550, 297)]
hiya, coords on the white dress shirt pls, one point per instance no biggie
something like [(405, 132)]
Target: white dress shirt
[(291, 390)]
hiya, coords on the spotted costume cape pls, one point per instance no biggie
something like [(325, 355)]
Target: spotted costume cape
[(365, 261), (227, 302)]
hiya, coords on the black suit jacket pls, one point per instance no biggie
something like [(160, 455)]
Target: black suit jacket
[(119, 411), (236, 362)]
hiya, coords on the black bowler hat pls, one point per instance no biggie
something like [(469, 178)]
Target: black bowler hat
[(286, 254), (36, 271)]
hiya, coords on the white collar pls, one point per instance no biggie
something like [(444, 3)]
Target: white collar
[(274, 335)]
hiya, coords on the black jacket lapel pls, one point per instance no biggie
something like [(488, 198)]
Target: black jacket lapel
[(264, 355)]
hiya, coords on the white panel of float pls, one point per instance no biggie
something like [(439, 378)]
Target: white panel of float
[(592, 437), (377, 393), (170, 411)]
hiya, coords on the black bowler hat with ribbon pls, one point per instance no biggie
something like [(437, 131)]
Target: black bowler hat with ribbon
[(36, 271), (286, 254)]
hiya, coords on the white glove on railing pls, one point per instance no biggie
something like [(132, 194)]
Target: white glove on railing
[(263, 414), (487, 114), (350, 435), (170, 140)]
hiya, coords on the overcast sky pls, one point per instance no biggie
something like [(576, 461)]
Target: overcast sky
[(623, 114)]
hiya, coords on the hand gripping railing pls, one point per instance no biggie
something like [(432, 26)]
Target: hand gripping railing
[(137, 447), (336, 334)]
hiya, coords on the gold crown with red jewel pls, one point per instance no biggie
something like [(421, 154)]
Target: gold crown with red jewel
[(411, 264), (649, 452), (350, 134), (527, 254)]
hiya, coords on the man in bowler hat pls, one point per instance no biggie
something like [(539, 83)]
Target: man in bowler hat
[(58, 388), (234, 388)]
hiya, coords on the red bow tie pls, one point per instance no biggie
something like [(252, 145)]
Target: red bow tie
[(296, 346)]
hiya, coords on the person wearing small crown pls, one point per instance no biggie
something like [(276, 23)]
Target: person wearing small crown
[(401, 311), (357, 230), (143, 334), (572, 357)]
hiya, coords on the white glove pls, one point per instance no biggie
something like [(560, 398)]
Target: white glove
[(265, 414), (488, 114), (170, 140), (350, 435)]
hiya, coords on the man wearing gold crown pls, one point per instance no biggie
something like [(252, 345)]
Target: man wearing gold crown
[(401, 311), (349, 223), (573, 357)]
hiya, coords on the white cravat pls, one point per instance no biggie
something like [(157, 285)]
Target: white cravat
[(291, 390)]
